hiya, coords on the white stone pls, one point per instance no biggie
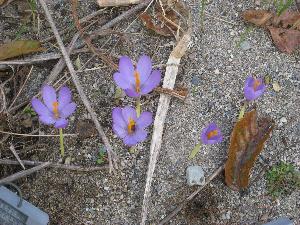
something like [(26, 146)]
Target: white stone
[(195, 175)]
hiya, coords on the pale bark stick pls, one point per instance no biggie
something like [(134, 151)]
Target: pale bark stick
[(12, 149), (161, 113), (23, 173), (112, 157), (55, 165), (107, 3)]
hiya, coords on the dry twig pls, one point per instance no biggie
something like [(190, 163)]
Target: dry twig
[(54, 165), (23, 173), (191, 196), (12, 149), (112, 157), (107, 3), (161, 113)]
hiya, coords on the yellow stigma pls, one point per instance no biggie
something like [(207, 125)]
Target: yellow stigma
[(256, 84), (131, 126), (137, 81), (55, 109), (212, 134)]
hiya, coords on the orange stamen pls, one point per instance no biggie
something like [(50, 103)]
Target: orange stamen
[(256, 84), (131, 126), (212, 134), (137, 81), (55, 109)]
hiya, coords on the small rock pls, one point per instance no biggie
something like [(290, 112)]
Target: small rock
[(282, 121), (195, 81), (276, 87), (217, 71), (245, 45), (226, 216), (281, 221), (195, 175), (106, 188)]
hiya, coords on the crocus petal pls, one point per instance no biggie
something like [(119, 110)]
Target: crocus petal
[(129, 140), (132, 93), (249, 82), (118, 119), (129, 113), (250, 94), (46, 119), (144, 120), (39, 107), (61, 123), (49, 96), (140, 135), (120, 131), (122, 80), (64, 97), (68, 110), (126, 68), (152, 82), (216, 139), (144, 67)]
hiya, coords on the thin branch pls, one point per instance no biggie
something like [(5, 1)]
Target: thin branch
[(12, 149), (112, 157), (191, 196), (55, 165), (23, 173)]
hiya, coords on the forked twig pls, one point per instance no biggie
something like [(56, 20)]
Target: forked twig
[(112, 157), (191, 196), (161, 113), (23, 173), (55, 165), (12, 149)]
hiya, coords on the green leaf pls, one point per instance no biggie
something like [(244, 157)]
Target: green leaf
[(17, 48), (195, 151)]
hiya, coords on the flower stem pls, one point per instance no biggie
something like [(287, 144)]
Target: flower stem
[(242, 111), (61, 141), (138, 107), (195, 150)]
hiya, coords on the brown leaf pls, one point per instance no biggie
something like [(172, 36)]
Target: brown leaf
[(1, 2), (246, 142), (288, 19), (149, 22), (17, 48), (287, 40), (258, 17)]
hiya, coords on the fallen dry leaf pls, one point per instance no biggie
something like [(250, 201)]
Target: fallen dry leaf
[(284, 29), (18, 48), (85, 129), (246, 142), (150, 23), (287, 40), (1, 2), (257, 17)]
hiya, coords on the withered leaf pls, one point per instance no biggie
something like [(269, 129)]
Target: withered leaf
[(287, 40), (1, 2), (246, 142), (149, 22), (17, 48), (257, 17), (284, 29)]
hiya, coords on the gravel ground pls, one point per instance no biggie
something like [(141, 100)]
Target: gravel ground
[(214, 70)]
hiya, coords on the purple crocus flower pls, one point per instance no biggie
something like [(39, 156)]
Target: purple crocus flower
[(128, 126), (54, 111), (254, 87), (139, 80), (211, 134)]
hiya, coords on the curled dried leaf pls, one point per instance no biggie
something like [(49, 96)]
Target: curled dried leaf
[(18, 48), (287, 40), (246, 142), (257, 17)]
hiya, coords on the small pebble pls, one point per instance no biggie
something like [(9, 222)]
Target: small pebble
[(195, 81), (195, 175), (217, 71), (106, 188), (245, 45)]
